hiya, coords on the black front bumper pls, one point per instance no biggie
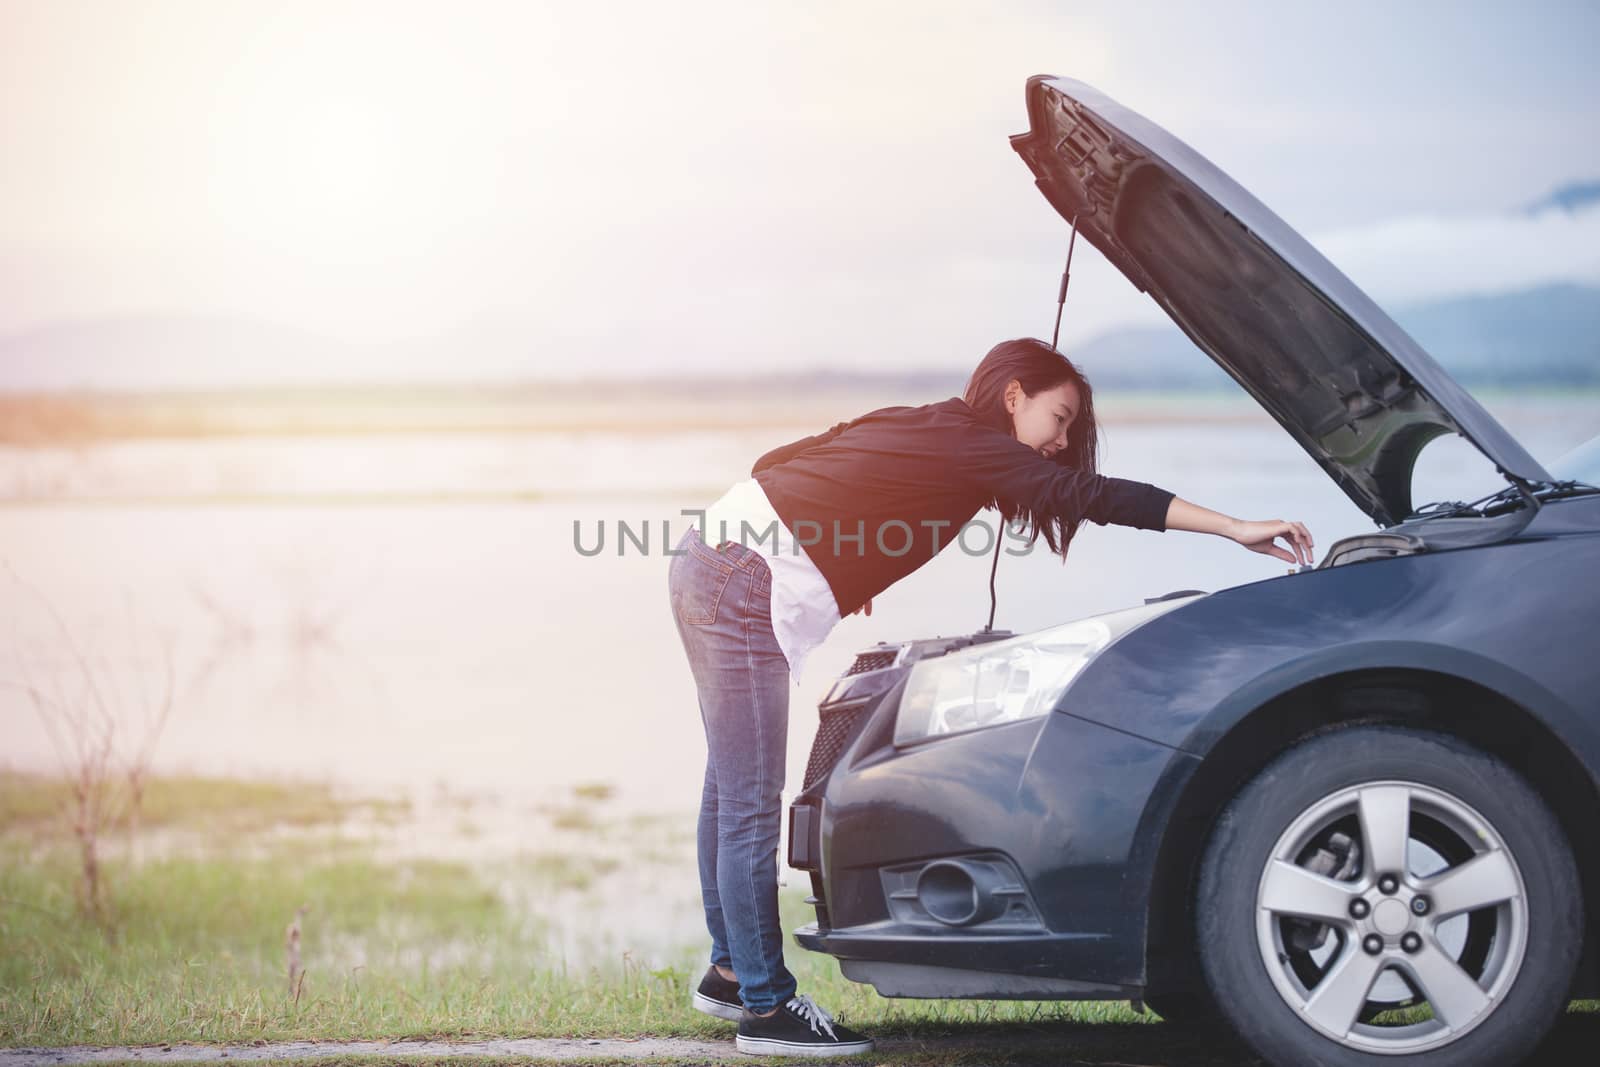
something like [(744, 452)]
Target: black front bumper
[(1053, 807), (900, 962)]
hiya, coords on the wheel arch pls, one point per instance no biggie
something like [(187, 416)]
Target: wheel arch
[(1416, 697)]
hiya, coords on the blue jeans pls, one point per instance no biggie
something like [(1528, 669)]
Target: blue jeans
[(722, 604)]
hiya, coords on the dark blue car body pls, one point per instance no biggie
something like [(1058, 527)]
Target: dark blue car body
[(1084, 828), (1102, 805)]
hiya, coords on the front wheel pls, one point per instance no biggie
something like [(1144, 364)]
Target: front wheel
[(1187, 1011), (1386, 896)]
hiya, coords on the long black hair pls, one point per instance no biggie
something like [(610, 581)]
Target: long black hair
[(1037, 367)]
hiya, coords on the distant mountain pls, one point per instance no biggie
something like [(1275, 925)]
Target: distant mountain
[(1568, 198), (155, 352), (1549, 335), (1543, 336)]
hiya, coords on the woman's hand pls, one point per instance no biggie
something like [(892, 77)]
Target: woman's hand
[(1261, 537), (1256, 536), (867, 607)]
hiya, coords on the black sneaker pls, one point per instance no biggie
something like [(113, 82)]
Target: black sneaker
[(718, 996), (799, 1028)]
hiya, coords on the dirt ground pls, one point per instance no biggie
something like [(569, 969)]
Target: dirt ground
[(1066, 1045)]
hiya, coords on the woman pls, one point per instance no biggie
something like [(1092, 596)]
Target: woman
[(823, 525)]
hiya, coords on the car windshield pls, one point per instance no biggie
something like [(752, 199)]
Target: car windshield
[(1582, 464)]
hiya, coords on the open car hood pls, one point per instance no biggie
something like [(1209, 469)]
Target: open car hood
[(1349, 384)]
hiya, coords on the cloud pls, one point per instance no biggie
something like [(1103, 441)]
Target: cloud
[(1403, 260), (1424, 257), (573, 184)]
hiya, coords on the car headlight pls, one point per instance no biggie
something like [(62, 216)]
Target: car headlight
[(1011, 680)]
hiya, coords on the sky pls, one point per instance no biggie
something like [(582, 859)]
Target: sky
[(535, 190)]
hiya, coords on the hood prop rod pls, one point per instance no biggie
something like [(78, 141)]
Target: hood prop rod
[(1066, 276), (989, 626), (1055, 338)]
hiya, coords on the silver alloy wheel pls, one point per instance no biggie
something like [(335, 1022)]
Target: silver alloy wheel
[(1385, 922)]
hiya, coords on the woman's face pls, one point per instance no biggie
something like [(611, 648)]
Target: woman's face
[(1041, 421)]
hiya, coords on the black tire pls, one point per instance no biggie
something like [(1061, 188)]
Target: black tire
[(1237, 932), (1189, 1010)]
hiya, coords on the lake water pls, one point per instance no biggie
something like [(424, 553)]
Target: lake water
[(393, 611)]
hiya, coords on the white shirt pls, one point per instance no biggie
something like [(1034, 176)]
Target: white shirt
[(804, 611)]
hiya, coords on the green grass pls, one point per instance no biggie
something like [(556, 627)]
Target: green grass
[(416, 949), (566, 870), (597, 791), (195, 945), (39, 805), (574, 818), (410, 949)]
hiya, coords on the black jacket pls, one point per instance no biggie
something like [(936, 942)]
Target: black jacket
[(873, 499)]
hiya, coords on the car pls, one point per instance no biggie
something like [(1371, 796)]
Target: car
[(1349, 811)]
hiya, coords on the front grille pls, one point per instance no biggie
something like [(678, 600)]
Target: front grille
[(832, 735), (872, 661)]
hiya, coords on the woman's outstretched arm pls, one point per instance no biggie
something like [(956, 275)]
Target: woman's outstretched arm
[(1256, 536), (992, 462)]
